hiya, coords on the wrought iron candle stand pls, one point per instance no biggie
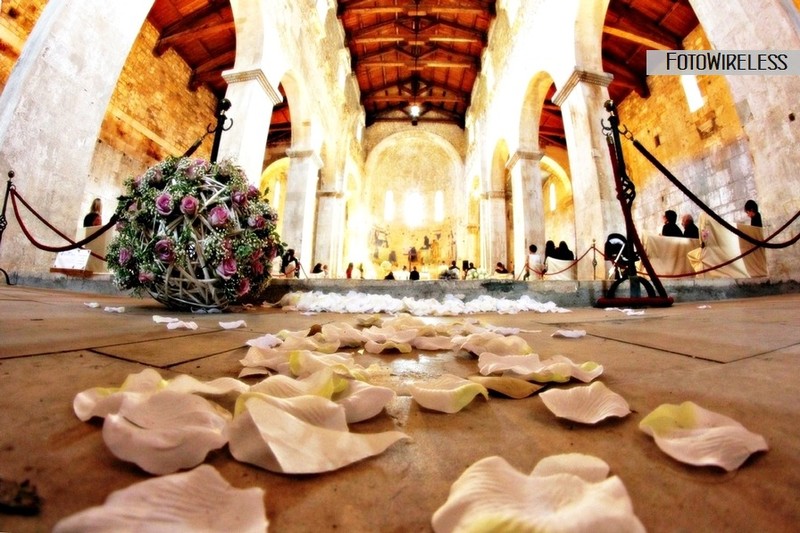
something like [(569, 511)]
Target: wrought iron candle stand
[(626, 193)]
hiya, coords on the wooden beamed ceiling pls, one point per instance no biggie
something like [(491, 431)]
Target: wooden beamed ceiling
[(424, 53)]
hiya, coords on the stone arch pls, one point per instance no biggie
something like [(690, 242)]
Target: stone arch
[(414, 164), (273, 184)]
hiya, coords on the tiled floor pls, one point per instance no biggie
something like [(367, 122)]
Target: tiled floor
[(738, 357)]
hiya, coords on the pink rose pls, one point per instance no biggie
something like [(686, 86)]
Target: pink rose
[(125, 255), (164, 204), (257, 222), (189, 205), (253, 192), (227, 267), (239, 198), (218, 216), (146, 277), (244, 287), (164, 251)]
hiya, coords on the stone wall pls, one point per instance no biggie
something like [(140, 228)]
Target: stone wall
[(706, 150), (17, 19)]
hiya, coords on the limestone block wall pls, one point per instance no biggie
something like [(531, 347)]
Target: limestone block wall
[(706, 149), (16, 22)]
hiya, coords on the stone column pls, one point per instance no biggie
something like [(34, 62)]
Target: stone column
[(252, 98), (51, 110), (528, 215), (330, 232), (597, 210), (493, 228), (299, 210)]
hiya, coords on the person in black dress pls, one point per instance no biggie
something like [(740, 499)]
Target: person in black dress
[(670, 228)]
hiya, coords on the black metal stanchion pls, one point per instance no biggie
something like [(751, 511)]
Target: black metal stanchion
[(626, 193), (224, 105), (3, 221)]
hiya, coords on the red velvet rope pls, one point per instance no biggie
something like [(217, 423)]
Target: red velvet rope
[(74, 245)]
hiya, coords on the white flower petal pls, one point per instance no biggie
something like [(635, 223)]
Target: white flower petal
[(345, 334), (266, 436), (215, 387), (233, 325), (587, 467), (265, 341), (100, 401), (363, 401), (304, 362), (180, 324), (165, 431), (93, 305), (110, 309), (697, 436), (587, 404), (433, 344), (496, 343), (508, 385), (199, 500), (448, 393), (158, 319), (570, 333), (314, 410), (492, 496), (320, 383), (388, 345)]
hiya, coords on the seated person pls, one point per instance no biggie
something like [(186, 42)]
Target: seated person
[(317, 269), (564, 252), (690, 230), (670, 228), (751, 208), (500, 268), (414, 275), (535, 263)]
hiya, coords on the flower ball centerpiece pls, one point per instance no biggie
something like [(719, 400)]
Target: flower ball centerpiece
[(194, 235)]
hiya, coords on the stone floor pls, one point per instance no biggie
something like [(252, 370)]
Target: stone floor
[(740, 358)]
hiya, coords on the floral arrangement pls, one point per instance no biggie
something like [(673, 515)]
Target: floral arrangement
[(194, 235)]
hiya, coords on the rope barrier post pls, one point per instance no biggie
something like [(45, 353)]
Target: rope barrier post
[(223, 106), (3, 221), (626, 193), (594, 259)]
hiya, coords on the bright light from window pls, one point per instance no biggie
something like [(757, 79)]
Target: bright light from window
[(413, 209), (438, 206), (552, 196), (415, 110), (388, 206), (276, 196), (692, 90)]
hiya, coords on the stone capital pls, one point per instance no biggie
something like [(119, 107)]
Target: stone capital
[(299, 153), (336, 195), (493, 195), (578, 75), (528, 155), (254, 74)]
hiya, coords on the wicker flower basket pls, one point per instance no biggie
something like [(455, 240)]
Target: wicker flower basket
[(194, 235)]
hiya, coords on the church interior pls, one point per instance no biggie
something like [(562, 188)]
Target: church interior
[(392, 136)]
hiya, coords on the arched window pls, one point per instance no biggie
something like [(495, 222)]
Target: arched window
[(438, 206), (388, 206), (413, 209), (692, 91)]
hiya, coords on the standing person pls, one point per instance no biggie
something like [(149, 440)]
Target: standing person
[(349, 272), (690, 230), (670, 228), (414, 275), (94, 217), (751, 208), (535, 263), (564, 252)]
